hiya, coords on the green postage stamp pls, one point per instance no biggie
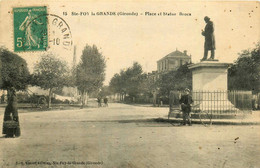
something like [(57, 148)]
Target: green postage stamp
[(30, 29)]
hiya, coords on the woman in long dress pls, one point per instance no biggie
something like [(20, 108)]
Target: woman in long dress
[(31, 40), (11, 114)]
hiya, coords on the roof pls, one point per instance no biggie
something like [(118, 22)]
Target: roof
[(176, 53)]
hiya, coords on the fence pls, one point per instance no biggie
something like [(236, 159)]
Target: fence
[(219, 102)]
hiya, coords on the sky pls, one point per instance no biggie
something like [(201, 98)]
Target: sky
[(144, 38)]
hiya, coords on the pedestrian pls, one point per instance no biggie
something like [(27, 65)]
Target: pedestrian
[(99, 101), (11, 126), (106, 101), (186, 103)]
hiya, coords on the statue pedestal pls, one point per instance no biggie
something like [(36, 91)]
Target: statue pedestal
[(209, 85), (209, 76)]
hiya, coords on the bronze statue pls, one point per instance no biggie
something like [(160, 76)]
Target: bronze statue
[(209, 39)]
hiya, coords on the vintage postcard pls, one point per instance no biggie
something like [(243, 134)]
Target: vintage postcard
[(129, 84)]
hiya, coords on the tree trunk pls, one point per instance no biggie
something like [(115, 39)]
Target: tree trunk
[(86, 99), (154, 98), (49, 102), (83, 99)]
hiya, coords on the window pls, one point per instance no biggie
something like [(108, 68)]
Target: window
[(162, 65)]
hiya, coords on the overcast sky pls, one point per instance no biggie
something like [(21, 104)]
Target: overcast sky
[(146, 39)]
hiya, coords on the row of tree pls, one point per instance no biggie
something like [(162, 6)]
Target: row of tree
[(51, 73), (129, 81), (244, 74), (134, 83)]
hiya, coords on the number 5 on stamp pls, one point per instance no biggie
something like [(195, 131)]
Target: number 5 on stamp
[(30, 29)]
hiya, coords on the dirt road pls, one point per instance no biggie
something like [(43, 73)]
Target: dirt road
[(121, 136)]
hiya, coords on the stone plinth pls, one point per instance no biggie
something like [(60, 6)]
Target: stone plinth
[(209, 76), (209, 85)]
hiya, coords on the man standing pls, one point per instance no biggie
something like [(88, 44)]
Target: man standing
[(209, 39), (105, 101), (99, 101), (186, 101)]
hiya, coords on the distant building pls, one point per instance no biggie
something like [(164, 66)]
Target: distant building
[(168, 63), (173, 61)]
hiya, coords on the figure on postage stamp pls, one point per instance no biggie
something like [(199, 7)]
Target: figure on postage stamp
[(31, 39)]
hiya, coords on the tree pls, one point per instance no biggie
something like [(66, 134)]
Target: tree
[(183, 78), (90, 72), (150, 86), (175, 80), (128, 82), (114, 84), (134, 77), (14, 71), (244, 74), (117, 84), (167, 83), (50, 73)]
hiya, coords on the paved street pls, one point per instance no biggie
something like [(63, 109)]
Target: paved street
[(125, 136)]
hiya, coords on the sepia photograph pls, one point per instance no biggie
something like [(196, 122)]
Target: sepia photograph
[(129, 84)]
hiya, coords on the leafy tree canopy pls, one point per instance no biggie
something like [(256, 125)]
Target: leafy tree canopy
[(244, 74), (116, 83), (90, 72), (14, 71), (50, 72), (129, 81), (175, 80)]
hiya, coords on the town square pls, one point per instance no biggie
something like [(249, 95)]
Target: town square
[(129, 84)]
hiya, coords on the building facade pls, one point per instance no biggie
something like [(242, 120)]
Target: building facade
[(173, 61)]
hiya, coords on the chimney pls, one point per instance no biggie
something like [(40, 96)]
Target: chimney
[(185, 52)]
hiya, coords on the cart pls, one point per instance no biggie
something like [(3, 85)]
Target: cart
[(36, 101)]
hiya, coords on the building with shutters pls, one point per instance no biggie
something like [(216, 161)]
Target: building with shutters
[(173, 61)]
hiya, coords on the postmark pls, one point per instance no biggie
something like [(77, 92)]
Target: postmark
[(30, 30), (60, 36), (40, 31)]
